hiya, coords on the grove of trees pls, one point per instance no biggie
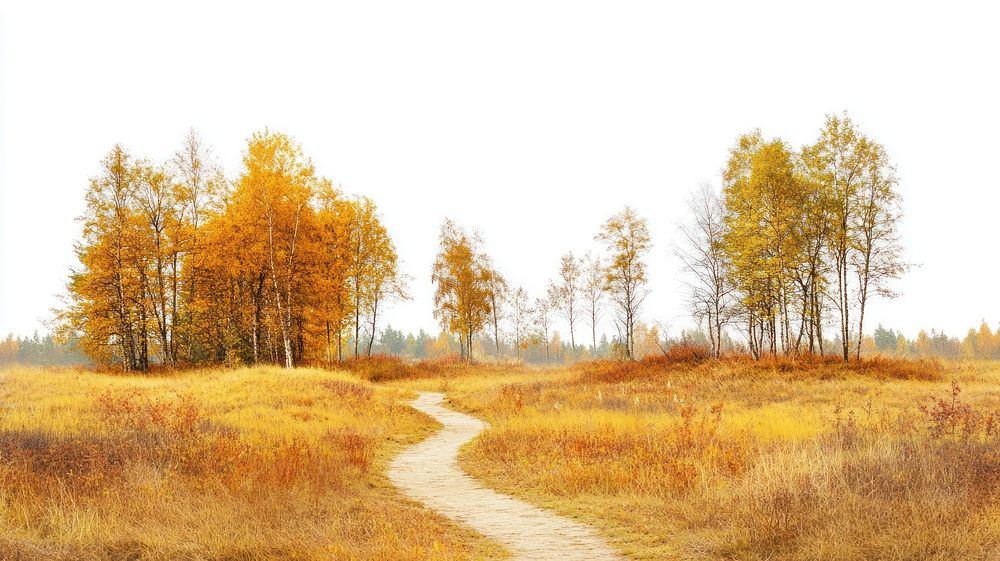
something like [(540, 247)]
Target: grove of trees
[(180, 266), (472, 295), (794, 239)]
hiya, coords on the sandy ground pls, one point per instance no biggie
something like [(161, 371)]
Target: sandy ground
[(428, 472)]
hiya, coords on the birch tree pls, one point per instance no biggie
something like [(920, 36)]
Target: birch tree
[(498, 292), (543, 318), (858, 184), (703, 254), (199, 189), (877, 256), (460, 275), (593, 294), (276, 185), (567, 293), (521, 317), (626, 237), (764, 197)]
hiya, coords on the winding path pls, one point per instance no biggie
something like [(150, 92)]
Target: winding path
[(428, 472)]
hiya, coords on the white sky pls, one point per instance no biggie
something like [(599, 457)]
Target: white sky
[(531, 121)]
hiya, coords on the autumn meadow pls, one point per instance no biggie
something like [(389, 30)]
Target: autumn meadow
[(531, 280), (233, 392)]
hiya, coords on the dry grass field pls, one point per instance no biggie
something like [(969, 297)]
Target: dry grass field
[(678, 457), (685, 458), (217, 464)]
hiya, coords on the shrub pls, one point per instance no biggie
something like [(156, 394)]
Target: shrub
[(686, 353), (950, 417), (131, 410), (376, 368), (677, 357), (384, 368), (883, 367), (684, 357)]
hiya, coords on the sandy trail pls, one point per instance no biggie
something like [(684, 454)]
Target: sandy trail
[(428, 472)]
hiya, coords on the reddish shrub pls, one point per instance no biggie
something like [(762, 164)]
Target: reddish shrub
[(900, 368), (686, 353), (949, 416), (131, 410), (382, 368), (681, 355)]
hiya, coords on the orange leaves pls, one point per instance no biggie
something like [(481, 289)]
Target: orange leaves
[(178, 269)]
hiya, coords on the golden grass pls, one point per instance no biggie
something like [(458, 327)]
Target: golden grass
[(219, 464), (790, 460), (682, 457)]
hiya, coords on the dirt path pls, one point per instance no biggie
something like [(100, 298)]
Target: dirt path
[(429, 472)]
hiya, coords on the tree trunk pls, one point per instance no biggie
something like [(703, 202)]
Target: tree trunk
[(340, 342), (863, 299), (371, 339), (285, 335), (329, 349), (593, 330), (496, 328), (357, 324)]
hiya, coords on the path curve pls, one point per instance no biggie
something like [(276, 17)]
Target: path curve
[(428, 472)]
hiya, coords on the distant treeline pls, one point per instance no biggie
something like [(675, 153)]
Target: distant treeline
[(981, 343), (41, 350)]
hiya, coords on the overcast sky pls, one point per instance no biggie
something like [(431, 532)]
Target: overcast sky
[(530, 121)]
